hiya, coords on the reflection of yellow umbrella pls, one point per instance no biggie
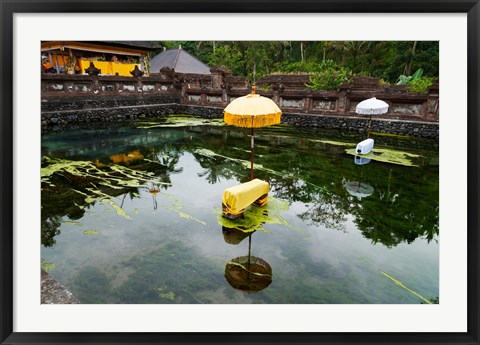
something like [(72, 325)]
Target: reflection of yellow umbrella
[(252, 111), (234, 236), (248, 273)]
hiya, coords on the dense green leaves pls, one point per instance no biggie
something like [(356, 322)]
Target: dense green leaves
[(383, 59), (417, 82), (329, 78)]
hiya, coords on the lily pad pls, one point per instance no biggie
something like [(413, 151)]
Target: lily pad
[(256, 216)]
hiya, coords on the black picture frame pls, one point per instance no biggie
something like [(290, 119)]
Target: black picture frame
[(7, 175)]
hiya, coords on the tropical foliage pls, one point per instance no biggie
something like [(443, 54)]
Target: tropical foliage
[(417, 82), (330, 77), (383, 59)]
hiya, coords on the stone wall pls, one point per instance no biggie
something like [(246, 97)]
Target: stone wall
[(291, 94), (82, 98), (398, 127)]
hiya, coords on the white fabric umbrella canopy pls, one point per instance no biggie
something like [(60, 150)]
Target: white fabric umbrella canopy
[(371, 106)]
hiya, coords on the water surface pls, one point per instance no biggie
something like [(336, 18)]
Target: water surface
[(131, 214)]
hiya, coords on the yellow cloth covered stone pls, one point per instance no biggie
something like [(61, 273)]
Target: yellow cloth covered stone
[(238, 197)]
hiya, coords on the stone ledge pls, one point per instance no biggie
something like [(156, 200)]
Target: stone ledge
[(55, 293)]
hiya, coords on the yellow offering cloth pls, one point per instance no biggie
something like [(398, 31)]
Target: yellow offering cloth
[(238, 197), (108, 67)]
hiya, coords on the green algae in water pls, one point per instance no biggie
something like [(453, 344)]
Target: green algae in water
[(316, 283), (180, 121), (378, 154), (185, 273), (331, 142), (90, 232), (249, 271), (47, 266), (103, 198), (243, 162), (72, 222), (256, 216), (388, 156), (170, 295), (246, 164), (399, 283), (391, 135), (177, 208), (185, 215), (114, 176)]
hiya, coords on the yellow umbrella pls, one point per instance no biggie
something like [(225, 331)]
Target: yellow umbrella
[(252, 111)]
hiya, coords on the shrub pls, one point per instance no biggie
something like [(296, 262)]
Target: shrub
[(421, 85), (407, 79), (329, 79)]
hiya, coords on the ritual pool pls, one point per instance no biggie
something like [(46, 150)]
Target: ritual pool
[(131, 213)]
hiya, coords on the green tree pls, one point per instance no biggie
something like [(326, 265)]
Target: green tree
[(383, 59)]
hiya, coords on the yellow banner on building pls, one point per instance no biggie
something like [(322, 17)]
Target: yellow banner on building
[(109, 67)]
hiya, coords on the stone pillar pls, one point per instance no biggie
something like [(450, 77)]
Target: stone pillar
[(277, 89), (219, 73), (342, 98), (224, 97), (432, 102), (95, 85), (276, 97), (307, 104)]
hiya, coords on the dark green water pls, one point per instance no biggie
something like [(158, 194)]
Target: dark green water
[(333, 231)]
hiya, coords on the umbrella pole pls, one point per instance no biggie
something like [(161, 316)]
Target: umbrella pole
[(251, 156), (249, 250), (369, 123)]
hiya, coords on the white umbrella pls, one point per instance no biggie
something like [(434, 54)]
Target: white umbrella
[(371, 106)]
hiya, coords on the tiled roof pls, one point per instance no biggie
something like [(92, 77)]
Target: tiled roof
[(180, 61), (148, 45)]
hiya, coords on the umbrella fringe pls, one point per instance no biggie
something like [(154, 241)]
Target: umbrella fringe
[(252, 121)]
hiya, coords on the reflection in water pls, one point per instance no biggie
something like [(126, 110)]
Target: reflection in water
[(361, 160), (358, 189), (153, 190), (246, 273), (127, 159), (234, 236), (148, 257)]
